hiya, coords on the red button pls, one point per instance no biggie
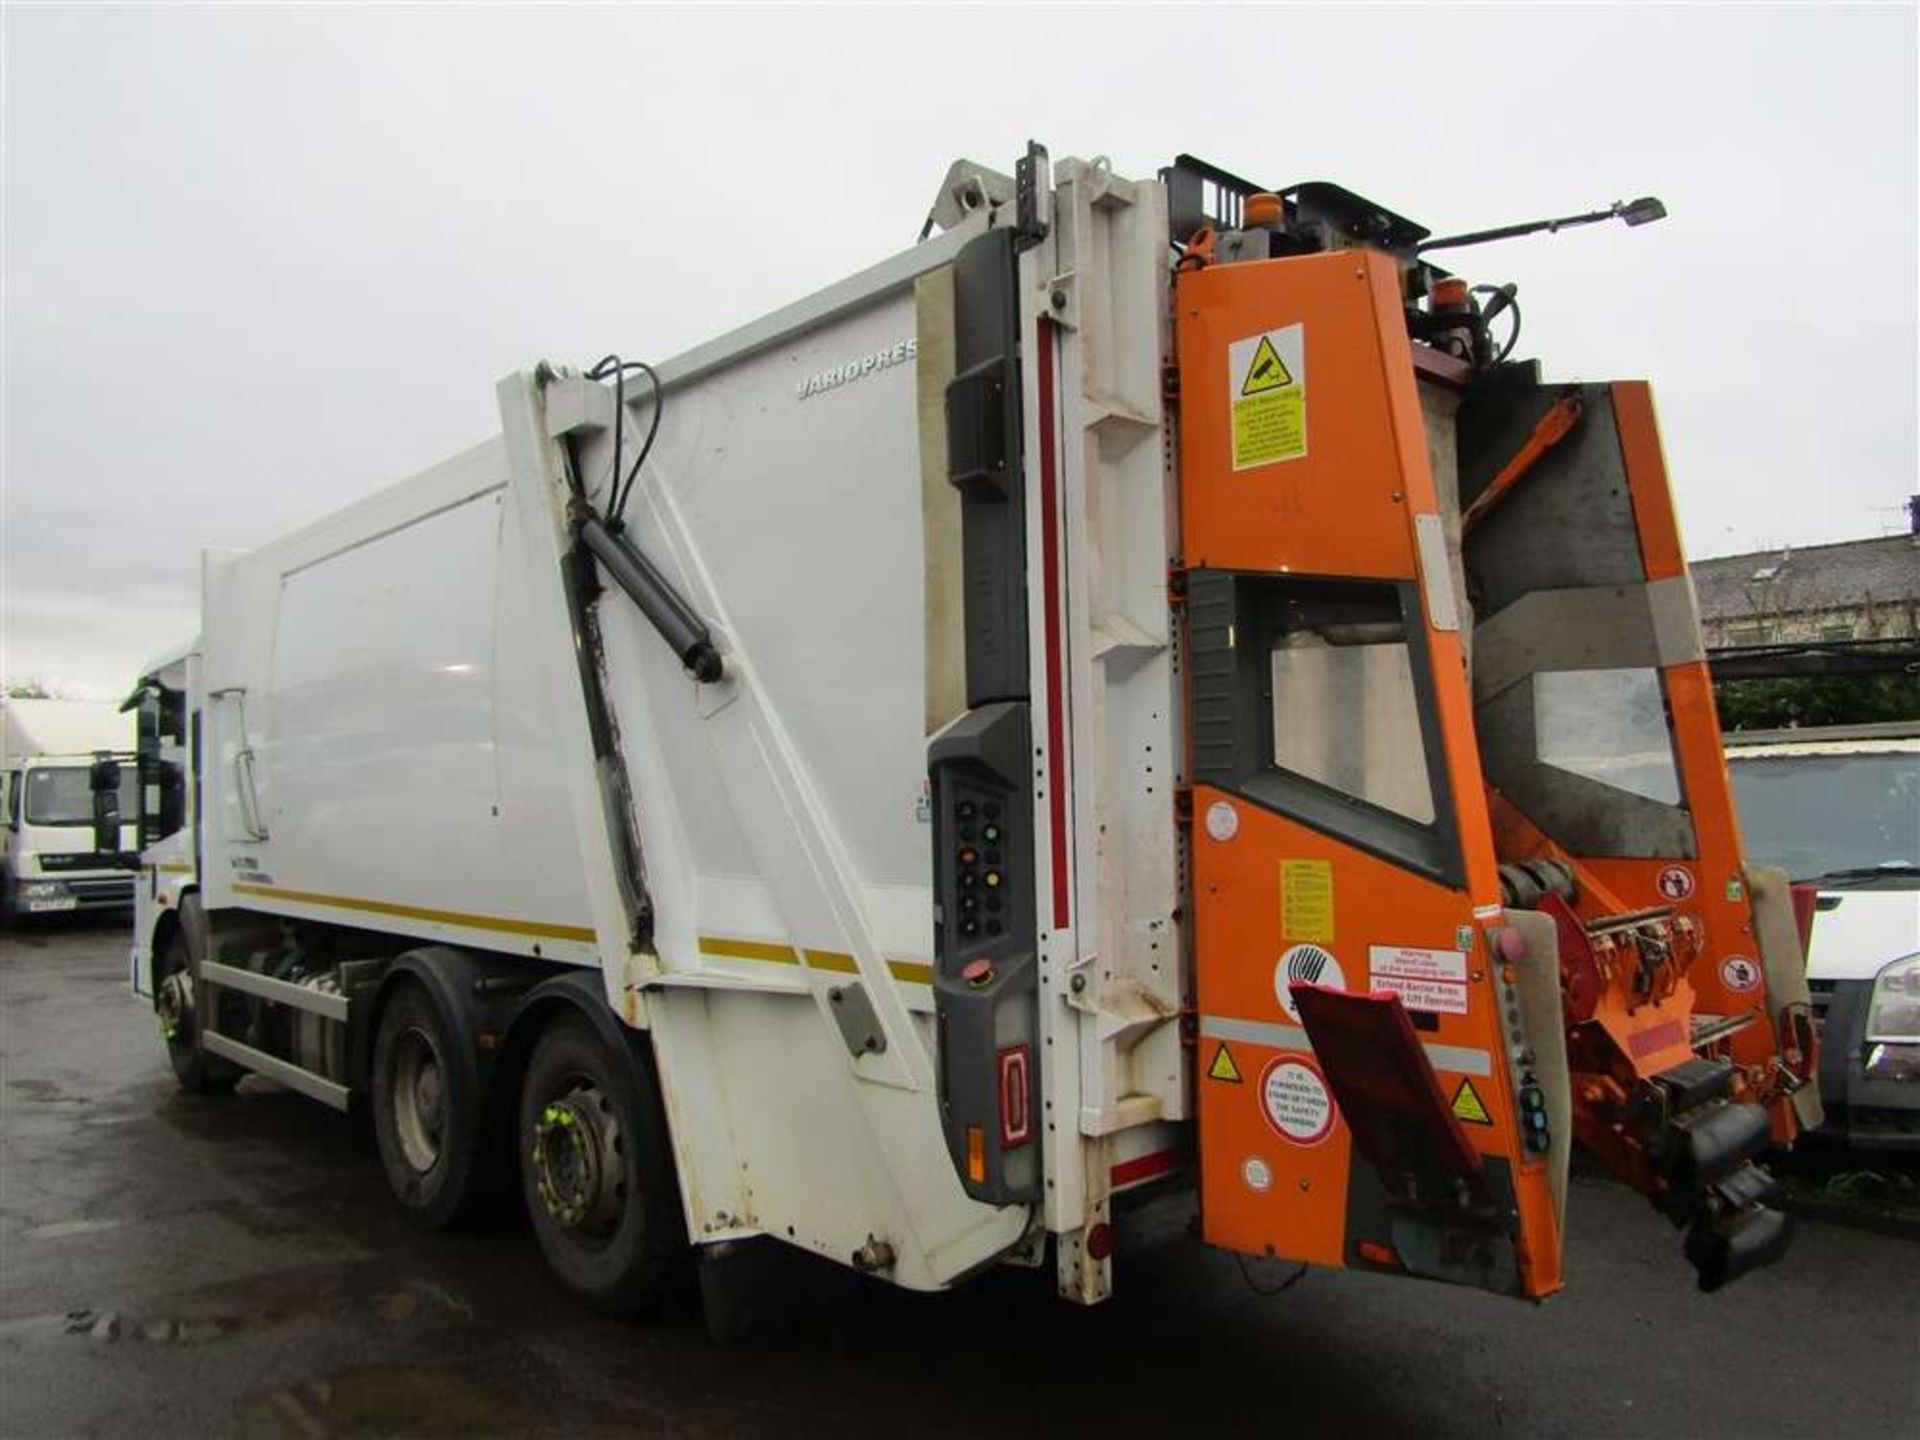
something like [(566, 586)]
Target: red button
[(978, 973)]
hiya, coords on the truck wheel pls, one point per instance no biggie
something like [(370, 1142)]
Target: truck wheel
[(597, 1172), (175, 1001), (426, 1108)]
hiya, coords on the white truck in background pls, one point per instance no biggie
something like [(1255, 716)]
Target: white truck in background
[(984, 740), (66, 840)]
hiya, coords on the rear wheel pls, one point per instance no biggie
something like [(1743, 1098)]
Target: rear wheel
[(427, 1114), (597, 1171), (176, 1002)]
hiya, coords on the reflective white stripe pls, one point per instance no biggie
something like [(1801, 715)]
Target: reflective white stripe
[(1436, 575), (1460, 1059), (1279, 1037)]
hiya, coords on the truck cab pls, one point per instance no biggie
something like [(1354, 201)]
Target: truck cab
[(167, 874), (54, 859)]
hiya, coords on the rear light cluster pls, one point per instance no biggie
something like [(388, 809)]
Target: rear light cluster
[(1016, 1084)]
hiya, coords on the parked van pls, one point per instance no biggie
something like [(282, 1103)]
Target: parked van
[(1839, 807)]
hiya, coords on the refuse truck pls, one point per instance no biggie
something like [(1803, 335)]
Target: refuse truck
[(67, 838), (1141, 689)]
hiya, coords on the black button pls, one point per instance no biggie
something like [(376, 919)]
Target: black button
[(968, 879), (964, 809), (993, 857), (967, 927), (993, 902), (966, 832), (993, 927), (969, 902), (993, 810)]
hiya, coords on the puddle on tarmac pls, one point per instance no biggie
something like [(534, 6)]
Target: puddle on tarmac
[(385, 1400), (45, 1092)]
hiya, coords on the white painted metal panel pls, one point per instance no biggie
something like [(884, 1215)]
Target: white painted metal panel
[(399, 777)]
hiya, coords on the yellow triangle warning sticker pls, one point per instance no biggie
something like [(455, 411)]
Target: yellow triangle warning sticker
[(1467, 1106), (1223, 1067), (1266, 372)]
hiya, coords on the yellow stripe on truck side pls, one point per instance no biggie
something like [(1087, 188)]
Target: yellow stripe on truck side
[(499, 925), (907, 972)]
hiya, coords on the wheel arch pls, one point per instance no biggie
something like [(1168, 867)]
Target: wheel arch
[(166, 929), (464, 987)]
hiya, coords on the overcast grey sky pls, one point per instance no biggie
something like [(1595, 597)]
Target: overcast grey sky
[(260, 262)]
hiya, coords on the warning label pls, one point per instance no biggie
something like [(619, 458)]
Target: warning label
[(1675, 882), (1296, 1101), (1430, 980), (1223, 1067), (1467, 1105), (1434, 996), (1413, 963), (1306, 900), (1267, 396)]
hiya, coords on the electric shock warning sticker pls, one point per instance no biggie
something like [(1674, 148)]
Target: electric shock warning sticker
[(1295, 1101), (1306, 900), (1267, 397)]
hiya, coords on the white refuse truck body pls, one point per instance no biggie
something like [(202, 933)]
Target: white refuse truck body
[(777, 825), (52, 862)]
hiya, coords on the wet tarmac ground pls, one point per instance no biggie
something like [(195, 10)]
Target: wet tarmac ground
[(172, 1265)]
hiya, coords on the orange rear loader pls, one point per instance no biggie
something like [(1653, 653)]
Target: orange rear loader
[(1466, 881)]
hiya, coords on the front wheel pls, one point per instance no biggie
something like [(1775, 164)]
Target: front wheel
[(177, 1004), (597, 1171)]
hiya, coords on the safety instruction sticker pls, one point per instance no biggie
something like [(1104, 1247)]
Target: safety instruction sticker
[(1739, 973), (1267, 397), (1413, 963), (1305, 965), (1468, 1106), (1436, 997), (1430, 980), (1223, 1067), (1306, 900), (1295, 1100), (1675, 882)]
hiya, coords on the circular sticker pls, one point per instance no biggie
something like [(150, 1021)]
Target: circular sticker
[(1296, 1101), (1305, 965), (1223, 821), (1675, 882), (1257, 1173), (1738, 972)]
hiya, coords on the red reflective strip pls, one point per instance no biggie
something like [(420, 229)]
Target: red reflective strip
[(1050, 597), (1656, 1037), (1016, 1119), (1144, 1167)]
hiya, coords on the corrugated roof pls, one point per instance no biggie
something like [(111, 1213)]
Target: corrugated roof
[(1814, 577)]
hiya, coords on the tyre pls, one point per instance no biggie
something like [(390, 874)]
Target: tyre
[(427, 1107), (176, 1002), (597, 1172)]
